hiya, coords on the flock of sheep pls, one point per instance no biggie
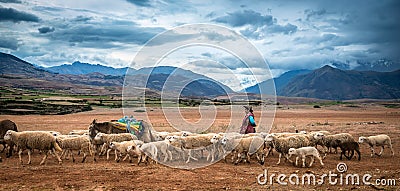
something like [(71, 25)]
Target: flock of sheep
[(186, 146)]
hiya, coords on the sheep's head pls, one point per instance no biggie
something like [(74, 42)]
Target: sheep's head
[(269, 137), (131, 148), (159, 137), (112, 145), (98, 137), (362, 139), (7, 136), (186, 133), (172, 138), (318, 136), (224, 140), (215, 139), (292, 151)]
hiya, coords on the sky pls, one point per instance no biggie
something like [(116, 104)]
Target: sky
[(290, 34)]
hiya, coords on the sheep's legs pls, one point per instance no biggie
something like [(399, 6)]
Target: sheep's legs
[(115, 153), (190, 156), (303, 159), (29, 156), (84, 157), (380, 154), (391, 149), (279, 160), (239, 159), (312, 161), (320, 160), (297, 159), (19, 155), (45, 157), (372, 151), (261, 159), (72, 155), (108, 153), (359, 154)]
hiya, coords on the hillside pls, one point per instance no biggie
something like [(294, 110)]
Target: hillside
[(336, 84), (280, 82)]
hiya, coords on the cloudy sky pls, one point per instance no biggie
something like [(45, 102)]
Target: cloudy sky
[(290, 34)]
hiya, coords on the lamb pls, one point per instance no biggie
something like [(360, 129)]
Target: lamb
[(152, 149), (304, 152), (133, 150), (106, 139), (34, 140), (249, 145), (79, 143), (122, 147), (216, 147), (282, 145), (377, 140), (349, 147)]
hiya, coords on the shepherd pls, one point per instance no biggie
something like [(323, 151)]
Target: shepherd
[(248, 123)]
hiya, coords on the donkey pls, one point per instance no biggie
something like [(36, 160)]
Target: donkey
[(108, 127)]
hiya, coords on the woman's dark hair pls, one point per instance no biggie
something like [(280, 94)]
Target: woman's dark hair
[(248, 108)]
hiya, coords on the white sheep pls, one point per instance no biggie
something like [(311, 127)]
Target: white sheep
[(283, 144), (106, 139), (78, 143), (153, 148), (43, 141), (377, 140), (122, 148), (247, 145), (303, 152)]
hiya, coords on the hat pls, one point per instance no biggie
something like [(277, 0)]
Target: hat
[(248, 108)]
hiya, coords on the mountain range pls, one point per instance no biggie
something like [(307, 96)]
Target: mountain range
[(335, 84), (15, 72), (324, 83), (381, 65)]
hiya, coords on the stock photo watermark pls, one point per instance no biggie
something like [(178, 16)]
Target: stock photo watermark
[(338, 177)]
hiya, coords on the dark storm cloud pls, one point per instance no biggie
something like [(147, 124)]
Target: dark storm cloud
[(9, 43), (10, 14), (44, 30), (246, 17), (10, 1), (141, 3), (369, 23), (103, 33), (257, 25)]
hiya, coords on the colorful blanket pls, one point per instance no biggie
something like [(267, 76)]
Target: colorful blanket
[(136, 127)]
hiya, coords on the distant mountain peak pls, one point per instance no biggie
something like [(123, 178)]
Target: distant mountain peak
[(78, 68)]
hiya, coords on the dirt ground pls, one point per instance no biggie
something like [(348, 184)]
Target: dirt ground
[(366, 119)]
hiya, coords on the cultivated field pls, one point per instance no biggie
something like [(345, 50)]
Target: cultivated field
[(362, 119)]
